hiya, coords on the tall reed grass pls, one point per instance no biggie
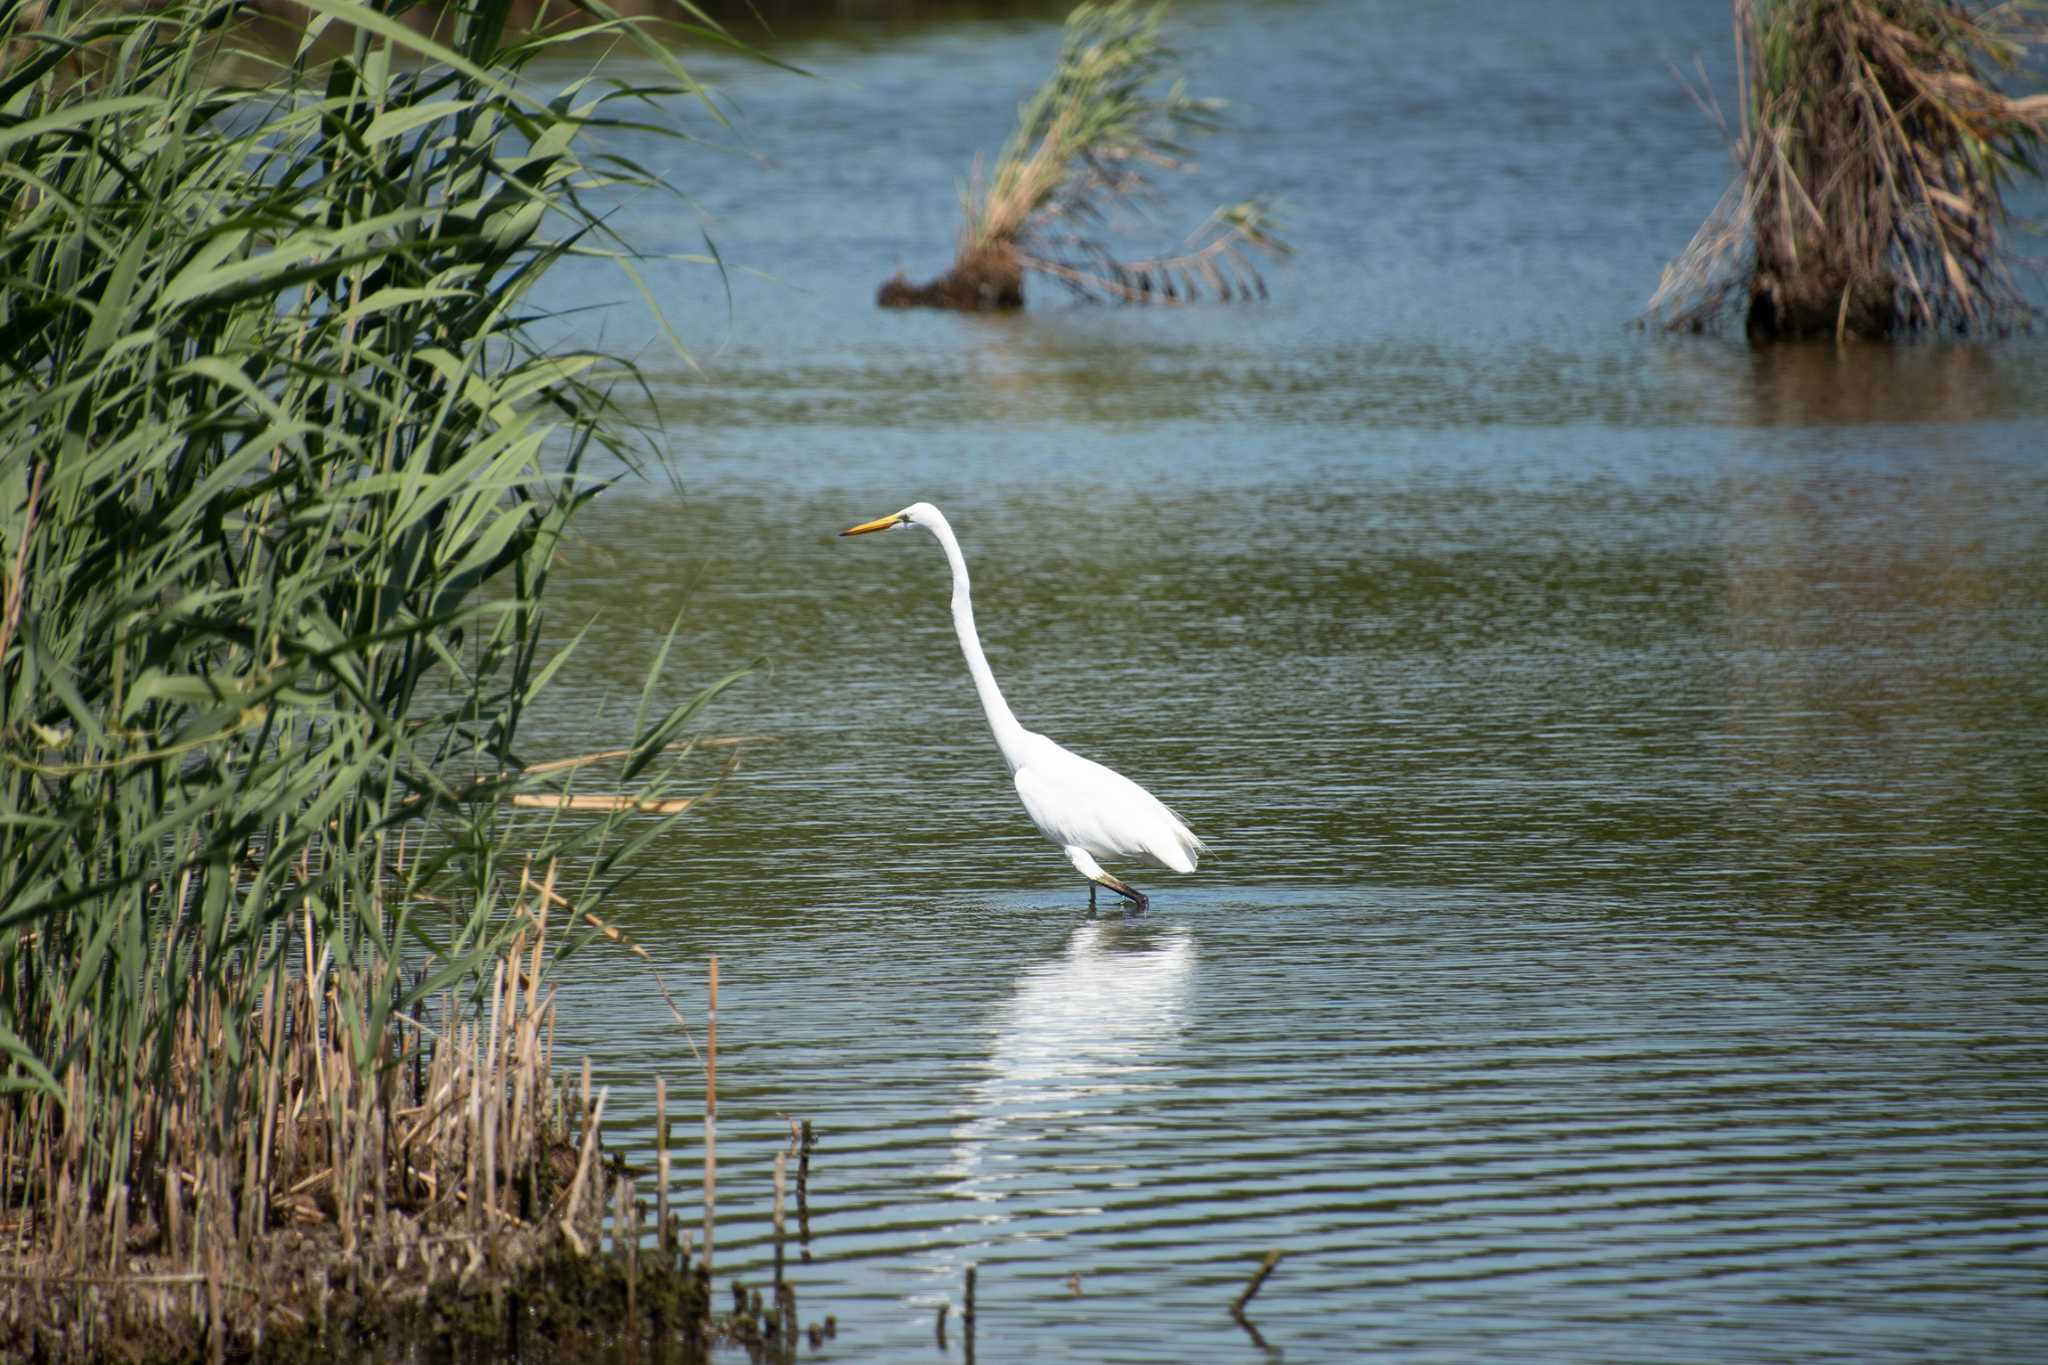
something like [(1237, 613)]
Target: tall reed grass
[(283, 470)]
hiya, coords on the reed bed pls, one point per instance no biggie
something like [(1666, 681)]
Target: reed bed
[(283, 473), (333, 1185), (285, 464), (460, 1188)]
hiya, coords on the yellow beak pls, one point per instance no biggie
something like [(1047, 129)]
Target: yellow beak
[(878, 524)]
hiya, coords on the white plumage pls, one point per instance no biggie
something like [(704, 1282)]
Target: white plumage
[(1090, 811)]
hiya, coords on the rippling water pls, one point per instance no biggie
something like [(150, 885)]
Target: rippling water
[(1626, 932)]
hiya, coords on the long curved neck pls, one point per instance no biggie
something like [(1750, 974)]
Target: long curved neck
[(1001, 723)]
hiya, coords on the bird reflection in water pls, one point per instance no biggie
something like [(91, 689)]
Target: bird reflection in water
[(1076, 1058)]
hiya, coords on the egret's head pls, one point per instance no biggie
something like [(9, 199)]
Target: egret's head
[(917, 514)]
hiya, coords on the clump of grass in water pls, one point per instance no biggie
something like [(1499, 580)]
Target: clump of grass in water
[(285, 469), (341, 1185), (1875, 149), (460, 1187), (1085, 144)]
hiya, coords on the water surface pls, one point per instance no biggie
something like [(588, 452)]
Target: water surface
[(1622, 754)]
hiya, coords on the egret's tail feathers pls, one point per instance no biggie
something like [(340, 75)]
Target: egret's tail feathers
[(1191, 844), (1180, 851)]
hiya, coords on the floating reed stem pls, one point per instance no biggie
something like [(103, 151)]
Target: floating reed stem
[(611, 804)]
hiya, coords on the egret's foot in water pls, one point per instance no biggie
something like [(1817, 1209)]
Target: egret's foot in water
[(1139, 901), (1085, 864), (1138, 904)]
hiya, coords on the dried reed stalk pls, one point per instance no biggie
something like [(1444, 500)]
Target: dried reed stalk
[(668, 806), (371, 1175), (710, 1113)]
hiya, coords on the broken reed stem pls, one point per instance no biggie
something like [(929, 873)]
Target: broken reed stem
[(626, 1238), (781, 1164), (1271, 1259), (488, 1101), (663, 1226), (967, 1315), (593, 1120), (803, 1179), (710, 1113)]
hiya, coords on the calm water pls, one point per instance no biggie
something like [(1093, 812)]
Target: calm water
[(1624, 755)]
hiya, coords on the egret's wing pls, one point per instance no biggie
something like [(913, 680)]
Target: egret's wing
[(1076, 801)]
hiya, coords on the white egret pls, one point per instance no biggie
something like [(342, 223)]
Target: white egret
[(1090, 811)]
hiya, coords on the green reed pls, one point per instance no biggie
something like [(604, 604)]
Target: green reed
[(283, 468)]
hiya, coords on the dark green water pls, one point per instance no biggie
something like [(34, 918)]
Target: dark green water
[(1623, 755)]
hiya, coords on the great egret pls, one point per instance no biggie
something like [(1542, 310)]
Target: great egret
[(1088, 810)]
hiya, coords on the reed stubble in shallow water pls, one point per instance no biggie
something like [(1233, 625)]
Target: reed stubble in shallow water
[(443, 1169), (461, 1195)]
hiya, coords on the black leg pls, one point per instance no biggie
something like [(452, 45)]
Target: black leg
[(1091, 898)]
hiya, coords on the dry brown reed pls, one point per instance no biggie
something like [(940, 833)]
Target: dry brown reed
[(710, 1115), (353, 1202), (674, 805), (1877, 138), (1087, 146)]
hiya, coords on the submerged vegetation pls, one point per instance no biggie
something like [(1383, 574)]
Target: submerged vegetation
[(283, 471), (1086, 145), (1878, 139)]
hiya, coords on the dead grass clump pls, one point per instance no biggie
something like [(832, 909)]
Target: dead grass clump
[(1086, 144), (1875, 147)]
